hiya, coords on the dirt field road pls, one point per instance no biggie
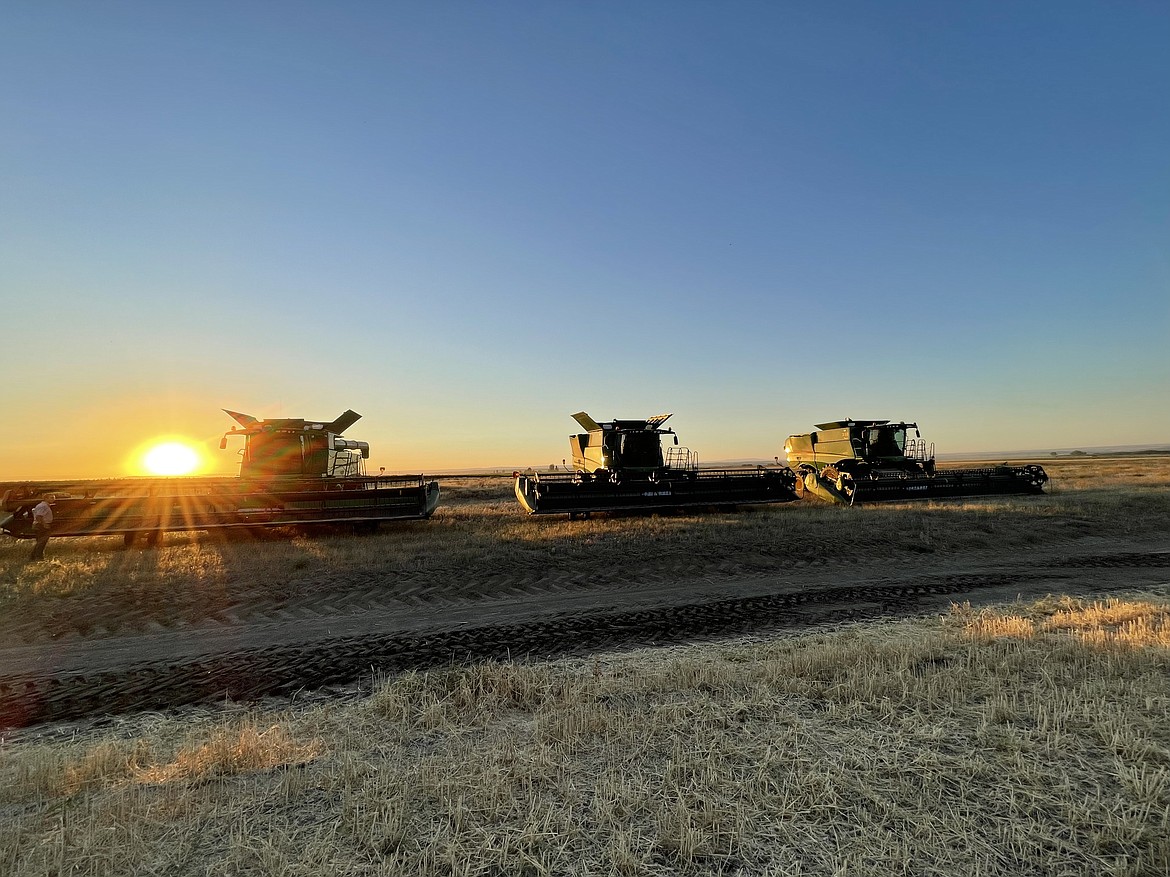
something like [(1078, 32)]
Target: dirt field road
[(127, 642)]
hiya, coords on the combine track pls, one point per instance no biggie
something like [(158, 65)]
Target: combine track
[(283, 656)]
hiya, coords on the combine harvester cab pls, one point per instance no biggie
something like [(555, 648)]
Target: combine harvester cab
[(292, 471), (853, 461), (620, 466)]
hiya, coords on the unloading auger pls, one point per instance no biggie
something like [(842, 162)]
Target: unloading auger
[(292, 471), (852, 461), (620, 466)]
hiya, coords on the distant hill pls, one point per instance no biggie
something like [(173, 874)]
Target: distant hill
[(1084, 450)]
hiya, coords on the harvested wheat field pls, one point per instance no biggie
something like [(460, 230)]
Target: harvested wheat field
[(971, 687), (1026, 740)]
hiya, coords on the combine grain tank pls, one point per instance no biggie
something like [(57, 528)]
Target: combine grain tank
[(620, 466), (292, 472), (851, 461)]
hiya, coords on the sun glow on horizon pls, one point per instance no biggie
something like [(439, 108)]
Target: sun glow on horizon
[(172, 457)]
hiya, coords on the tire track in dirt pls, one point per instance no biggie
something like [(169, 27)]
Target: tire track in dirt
[(444, 589), (296, 647), (284, 668), (80, 617)]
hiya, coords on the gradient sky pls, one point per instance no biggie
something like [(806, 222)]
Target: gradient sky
[(468, 220)]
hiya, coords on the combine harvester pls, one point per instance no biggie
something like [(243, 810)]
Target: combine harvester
[(619, 466), (292, 472), (852, 461)]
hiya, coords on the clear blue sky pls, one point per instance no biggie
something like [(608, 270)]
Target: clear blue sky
[(468, 220)]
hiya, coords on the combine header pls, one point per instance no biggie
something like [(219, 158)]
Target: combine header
[(619, 466), (852, 461), (292, 472)]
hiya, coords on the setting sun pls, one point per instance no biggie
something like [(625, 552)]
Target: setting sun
[(171, 458)]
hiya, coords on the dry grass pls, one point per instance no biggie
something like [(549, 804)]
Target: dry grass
[(1031, 739), (1112, 623), (228, 750)]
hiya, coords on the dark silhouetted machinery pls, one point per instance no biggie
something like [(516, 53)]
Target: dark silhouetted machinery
[(852, 461), (620, 466), (292, 472)]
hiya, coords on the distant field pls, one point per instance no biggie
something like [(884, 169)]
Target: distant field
[(1027, 738)]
